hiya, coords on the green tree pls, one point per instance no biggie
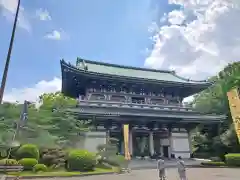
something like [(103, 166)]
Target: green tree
[(59, 122), (48, 125), (9, 113), (214, 100), (230, 77), (56, 101)]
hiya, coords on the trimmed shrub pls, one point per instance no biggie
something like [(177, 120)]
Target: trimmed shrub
[(28, 151), (13, 153), (52, 157), (213, 163), (28, 163), (9, 162), (48, 159), (81, 160), (40, 167), (232, 159)]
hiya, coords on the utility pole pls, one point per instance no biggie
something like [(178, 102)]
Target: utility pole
[(5, 72)]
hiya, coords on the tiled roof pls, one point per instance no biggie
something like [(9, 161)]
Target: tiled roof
[(132, 72)]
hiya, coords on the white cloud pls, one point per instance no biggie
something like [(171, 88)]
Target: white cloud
[(56, 35), (32, 93), (43, 15), (176, 17), (200, 38), (8, 10)]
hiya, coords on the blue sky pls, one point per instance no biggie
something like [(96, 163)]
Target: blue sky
[(106, 30), (115, 32)]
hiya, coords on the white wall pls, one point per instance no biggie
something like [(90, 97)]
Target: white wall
[(180, 144), (164, 142), (93, 140)]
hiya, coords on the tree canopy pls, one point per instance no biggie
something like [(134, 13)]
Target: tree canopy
[(214, 100), (47, 123)]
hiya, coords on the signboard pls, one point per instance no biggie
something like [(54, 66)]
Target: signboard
[(126, 141), (234, 104), (237, 126)]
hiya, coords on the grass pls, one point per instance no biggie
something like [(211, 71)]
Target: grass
[(60, 173)]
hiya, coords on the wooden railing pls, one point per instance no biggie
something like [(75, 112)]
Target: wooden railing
[(133, 105)]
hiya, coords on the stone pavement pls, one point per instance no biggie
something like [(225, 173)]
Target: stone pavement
[(192, 173), (152, 164)]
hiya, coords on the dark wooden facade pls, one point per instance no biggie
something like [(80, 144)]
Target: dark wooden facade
[(150, 101)]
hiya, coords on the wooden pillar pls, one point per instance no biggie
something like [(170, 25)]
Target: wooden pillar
[(130, 143), (126, 141), (151, 143), (107, 128), (170, 139)]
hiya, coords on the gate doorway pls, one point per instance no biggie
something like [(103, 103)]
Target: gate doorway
[(165, 151)]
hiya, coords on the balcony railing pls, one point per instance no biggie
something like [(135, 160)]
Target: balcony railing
[(176, 107)]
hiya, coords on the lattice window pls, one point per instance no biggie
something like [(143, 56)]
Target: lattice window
[(97, 97), (157, 101), (118, 98)]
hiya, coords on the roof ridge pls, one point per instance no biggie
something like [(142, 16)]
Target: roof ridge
[(127, 67)]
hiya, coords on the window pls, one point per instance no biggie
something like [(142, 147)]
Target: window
[(97, 97), (157, 101), (138, 100)]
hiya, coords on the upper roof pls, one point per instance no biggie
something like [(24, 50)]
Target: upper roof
[(88, 66)]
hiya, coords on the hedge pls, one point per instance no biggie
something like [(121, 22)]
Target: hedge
[(40, 167), (232, 159), (28, 151), (28, 163), (213, 163), (81, 160)]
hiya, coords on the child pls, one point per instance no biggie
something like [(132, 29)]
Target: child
[(161, 169), (181, 169)]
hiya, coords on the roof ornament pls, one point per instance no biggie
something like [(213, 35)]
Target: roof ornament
[(78, 63), (81, 64), (84, 65)]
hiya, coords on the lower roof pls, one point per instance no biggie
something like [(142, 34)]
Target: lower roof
[(126, 113)]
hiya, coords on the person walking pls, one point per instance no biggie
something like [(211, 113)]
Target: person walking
[(161, 169), (181, 169)]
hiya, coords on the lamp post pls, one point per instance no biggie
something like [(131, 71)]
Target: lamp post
[(19, 124), (5, 72)]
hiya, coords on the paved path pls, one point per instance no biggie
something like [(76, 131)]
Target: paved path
[(152, 164), (193, 174)]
